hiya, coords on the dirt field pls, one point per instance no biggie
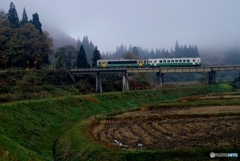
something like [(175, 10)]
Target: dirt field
[(172, 128)]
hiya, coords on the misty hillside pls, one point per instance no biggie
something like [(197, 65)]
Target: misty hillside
[(60, 38)]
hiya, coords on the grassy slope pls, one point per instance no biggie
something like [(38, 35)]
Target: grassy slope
[(28, 129)]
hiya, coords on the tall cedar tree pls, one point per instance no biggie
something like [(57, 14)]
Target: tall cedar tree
[(96, 56), (82, 59), (13, 16), (24, 17), (35, 21), (135, 51), (88, 47), (177, 50), (78, 44)]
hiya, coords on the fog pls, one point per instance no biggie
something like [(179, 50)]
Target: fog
[(149, 24)]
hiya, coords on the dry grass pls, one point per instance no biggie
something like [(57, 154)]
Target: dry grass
[(90, 98), (172, 128)]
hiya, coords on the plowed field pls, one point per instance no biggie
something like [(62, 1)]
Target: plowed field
[(172, 128)]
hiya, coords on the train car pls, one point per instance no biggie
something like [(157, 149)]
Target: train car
[(121, 63), (174, 62)]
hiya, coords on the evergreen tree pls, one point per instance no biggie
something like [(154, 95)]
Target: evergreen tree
[(135, 51), (88, 47), (177, 50), (13, 16), (181, 52), (82, 59), (195, 52), (24, 17), (152, 54), (78, 44), (96, 56), (35, 21)]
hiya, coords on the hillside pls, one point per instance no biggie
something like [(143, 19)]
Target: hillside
[(40, 129), (60, 38)]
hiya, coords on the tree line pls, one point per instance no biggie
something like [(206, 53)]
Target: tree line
[(22, 42), (138, 52), (85, 55)]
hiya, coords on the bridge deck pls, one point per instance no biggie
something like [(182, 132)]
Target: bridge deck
[(155, 70)]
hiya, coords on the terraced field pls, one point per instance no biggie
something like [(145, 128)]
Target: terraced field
[(172, 127)]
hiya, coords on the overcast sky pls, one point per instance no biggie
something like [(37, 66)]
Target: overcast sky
[(148, 23)]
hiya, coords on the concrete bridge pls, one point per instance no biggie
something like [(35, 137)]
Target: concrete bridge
[(211, 70)]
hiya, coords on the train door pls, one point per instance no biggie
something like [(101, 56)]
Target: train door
[(104, 64), (140, 63)]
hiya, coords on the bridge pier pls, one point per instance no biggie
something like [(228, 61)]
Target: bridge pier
[(125, 86), (212, 77), (72, 76), (98, 83), (160, 78)]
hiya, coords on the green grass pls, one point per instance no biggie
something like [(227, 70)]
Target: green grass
[(37, 129)]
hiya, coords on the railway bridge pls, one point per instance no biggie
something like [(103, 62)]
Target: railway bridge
[(211, 70)]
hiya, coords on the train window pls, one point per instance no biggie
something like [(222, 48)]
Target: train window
[(184, 61), (180, 61), (176, 61), (188, 60), (160, 61), (172, 61), (164, 61), (99, 63), (144, 62), (193, 60), (154, 61)]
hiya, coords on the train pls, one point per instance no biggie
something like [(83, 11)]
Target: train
[(157, 62)]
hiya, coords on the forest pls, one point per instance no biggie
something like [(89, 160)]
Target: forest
[(23, 44)]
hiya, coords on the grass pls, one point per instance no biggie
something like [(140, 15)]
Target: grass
[(53, 128)]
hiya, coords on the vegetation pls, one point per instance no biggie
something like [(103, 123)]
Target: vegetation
[(66, 57), (25, 45), (51, 121), (96, 56), (139, 52), (49, 128), (88, 48), (82, 59)]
